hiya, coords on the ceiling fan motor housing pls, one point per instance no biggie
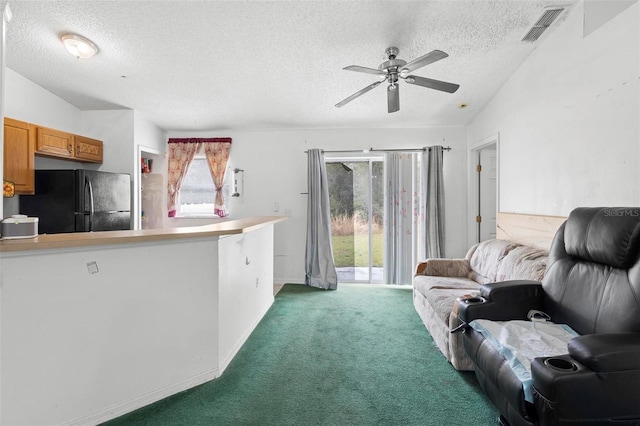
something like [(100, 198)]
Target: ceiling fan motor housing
[(392, 52), (393, 65)]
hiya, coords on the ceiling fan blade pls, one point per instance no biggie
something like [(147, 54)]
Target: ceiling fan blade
[(364, 70), (358, 93), (393, 97), (432, 84), (423, 60)]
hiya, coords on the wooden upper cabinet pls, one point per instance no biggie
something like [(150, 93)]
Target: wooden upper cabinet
[(87, 149), (54, 143), (19, 145)]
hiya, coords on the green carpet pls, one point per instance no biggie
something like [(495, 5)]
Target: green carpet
[(356, 356)]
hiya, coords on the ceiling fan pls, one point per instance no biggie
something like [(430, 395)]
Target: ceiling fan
[(393, 69)]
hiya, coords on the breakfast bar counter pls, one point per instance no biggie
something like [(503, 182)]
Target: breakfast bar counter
[(79, 239), (95, 325)]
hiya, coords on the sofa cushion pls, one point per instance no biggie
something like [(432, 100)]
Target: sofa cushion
[(522, 263), (486, 259), (443, 300), (423, 284)]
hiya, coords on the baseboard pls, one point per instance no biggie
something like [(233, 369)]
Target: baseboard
[(120, 409), (225, 362), (282, 281)]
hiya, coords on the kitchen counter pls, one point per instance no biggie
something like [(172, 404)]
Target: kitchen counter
[(80, 239), (98, 324)]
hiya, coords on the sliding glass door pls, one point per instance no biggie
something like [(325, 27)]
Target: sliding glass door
[(356, 192)]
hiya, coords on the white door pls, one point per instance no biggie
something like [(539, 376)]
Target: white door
[(487, 162)]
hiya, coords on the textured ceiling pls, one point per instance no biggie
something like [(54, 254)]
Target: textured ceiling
[(270, 64)]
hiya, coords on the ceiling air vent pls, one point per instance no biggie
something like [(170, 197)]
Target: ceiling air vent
[(548, 16)]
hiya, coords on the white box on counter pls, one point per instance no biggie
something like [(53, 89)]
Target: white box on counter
[(19, 226)]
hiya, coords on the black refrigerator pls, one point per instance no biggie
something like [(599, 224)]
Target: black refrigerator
[(79, 201)]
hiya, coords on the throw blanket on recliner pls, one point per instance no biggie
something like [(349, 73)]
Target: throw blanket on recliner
[(522, 341)]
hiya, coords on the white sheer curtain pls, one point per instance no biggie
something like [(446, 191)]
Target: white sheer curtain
[(402, 216), (414, 211), (319, 265)]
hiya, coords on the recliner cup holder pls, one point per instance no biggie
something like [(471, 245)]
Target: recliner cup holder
[(560, 364), (474, 300)]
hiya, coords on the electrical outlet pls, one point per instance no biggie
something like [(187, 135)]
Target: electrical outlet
[(92, 267), (257, 281), (276, 206)]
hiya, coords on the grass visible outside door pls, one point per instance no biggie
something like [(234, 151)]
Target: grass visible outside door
[(350, 241)]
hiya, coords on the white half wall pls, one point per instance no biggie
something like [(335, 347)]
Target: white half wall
[(568, 120), (275, 170), (81, 346)]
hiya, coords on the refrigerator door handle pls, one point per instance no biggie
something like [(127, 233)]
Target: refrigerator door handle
[(87, 182)]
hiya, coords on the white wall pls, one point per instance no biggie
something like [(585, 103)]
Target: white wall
[(26, 101), (148, 135), (5, 11), (115, 129), (568, 120), (275, 166), (150, 141)]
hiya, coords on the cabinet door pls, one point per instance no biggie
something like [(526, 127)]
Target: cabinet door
[(19, 144), (54, 143), (88, 150)]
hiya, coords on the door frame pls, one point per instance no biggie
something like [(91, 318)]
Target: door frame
[(473, 182), (136, 178)]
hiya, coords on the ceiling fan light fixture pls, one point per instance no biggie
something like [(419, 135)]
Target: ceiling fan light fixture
[(78, 46), (410, 80)]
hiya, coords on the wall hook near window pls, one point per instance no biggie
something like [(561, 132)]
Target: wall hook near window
[(236, 192)]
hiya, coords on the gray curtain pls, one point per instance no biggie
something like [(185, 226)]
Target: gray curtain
[(319, 266), (434, 214)]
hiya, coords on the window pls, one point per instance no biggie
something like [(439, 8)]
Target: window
[(182, 152), (197, 193)]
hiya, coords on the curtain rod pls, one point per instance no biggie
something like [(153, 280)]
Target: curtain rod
[(364, 151)]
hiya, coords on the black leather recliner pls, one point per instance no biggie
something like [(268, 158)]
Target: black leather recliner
[(592, 284)]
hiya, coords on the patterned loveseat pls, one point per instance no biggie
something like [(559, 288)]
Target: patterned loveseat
[(439, 282)]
